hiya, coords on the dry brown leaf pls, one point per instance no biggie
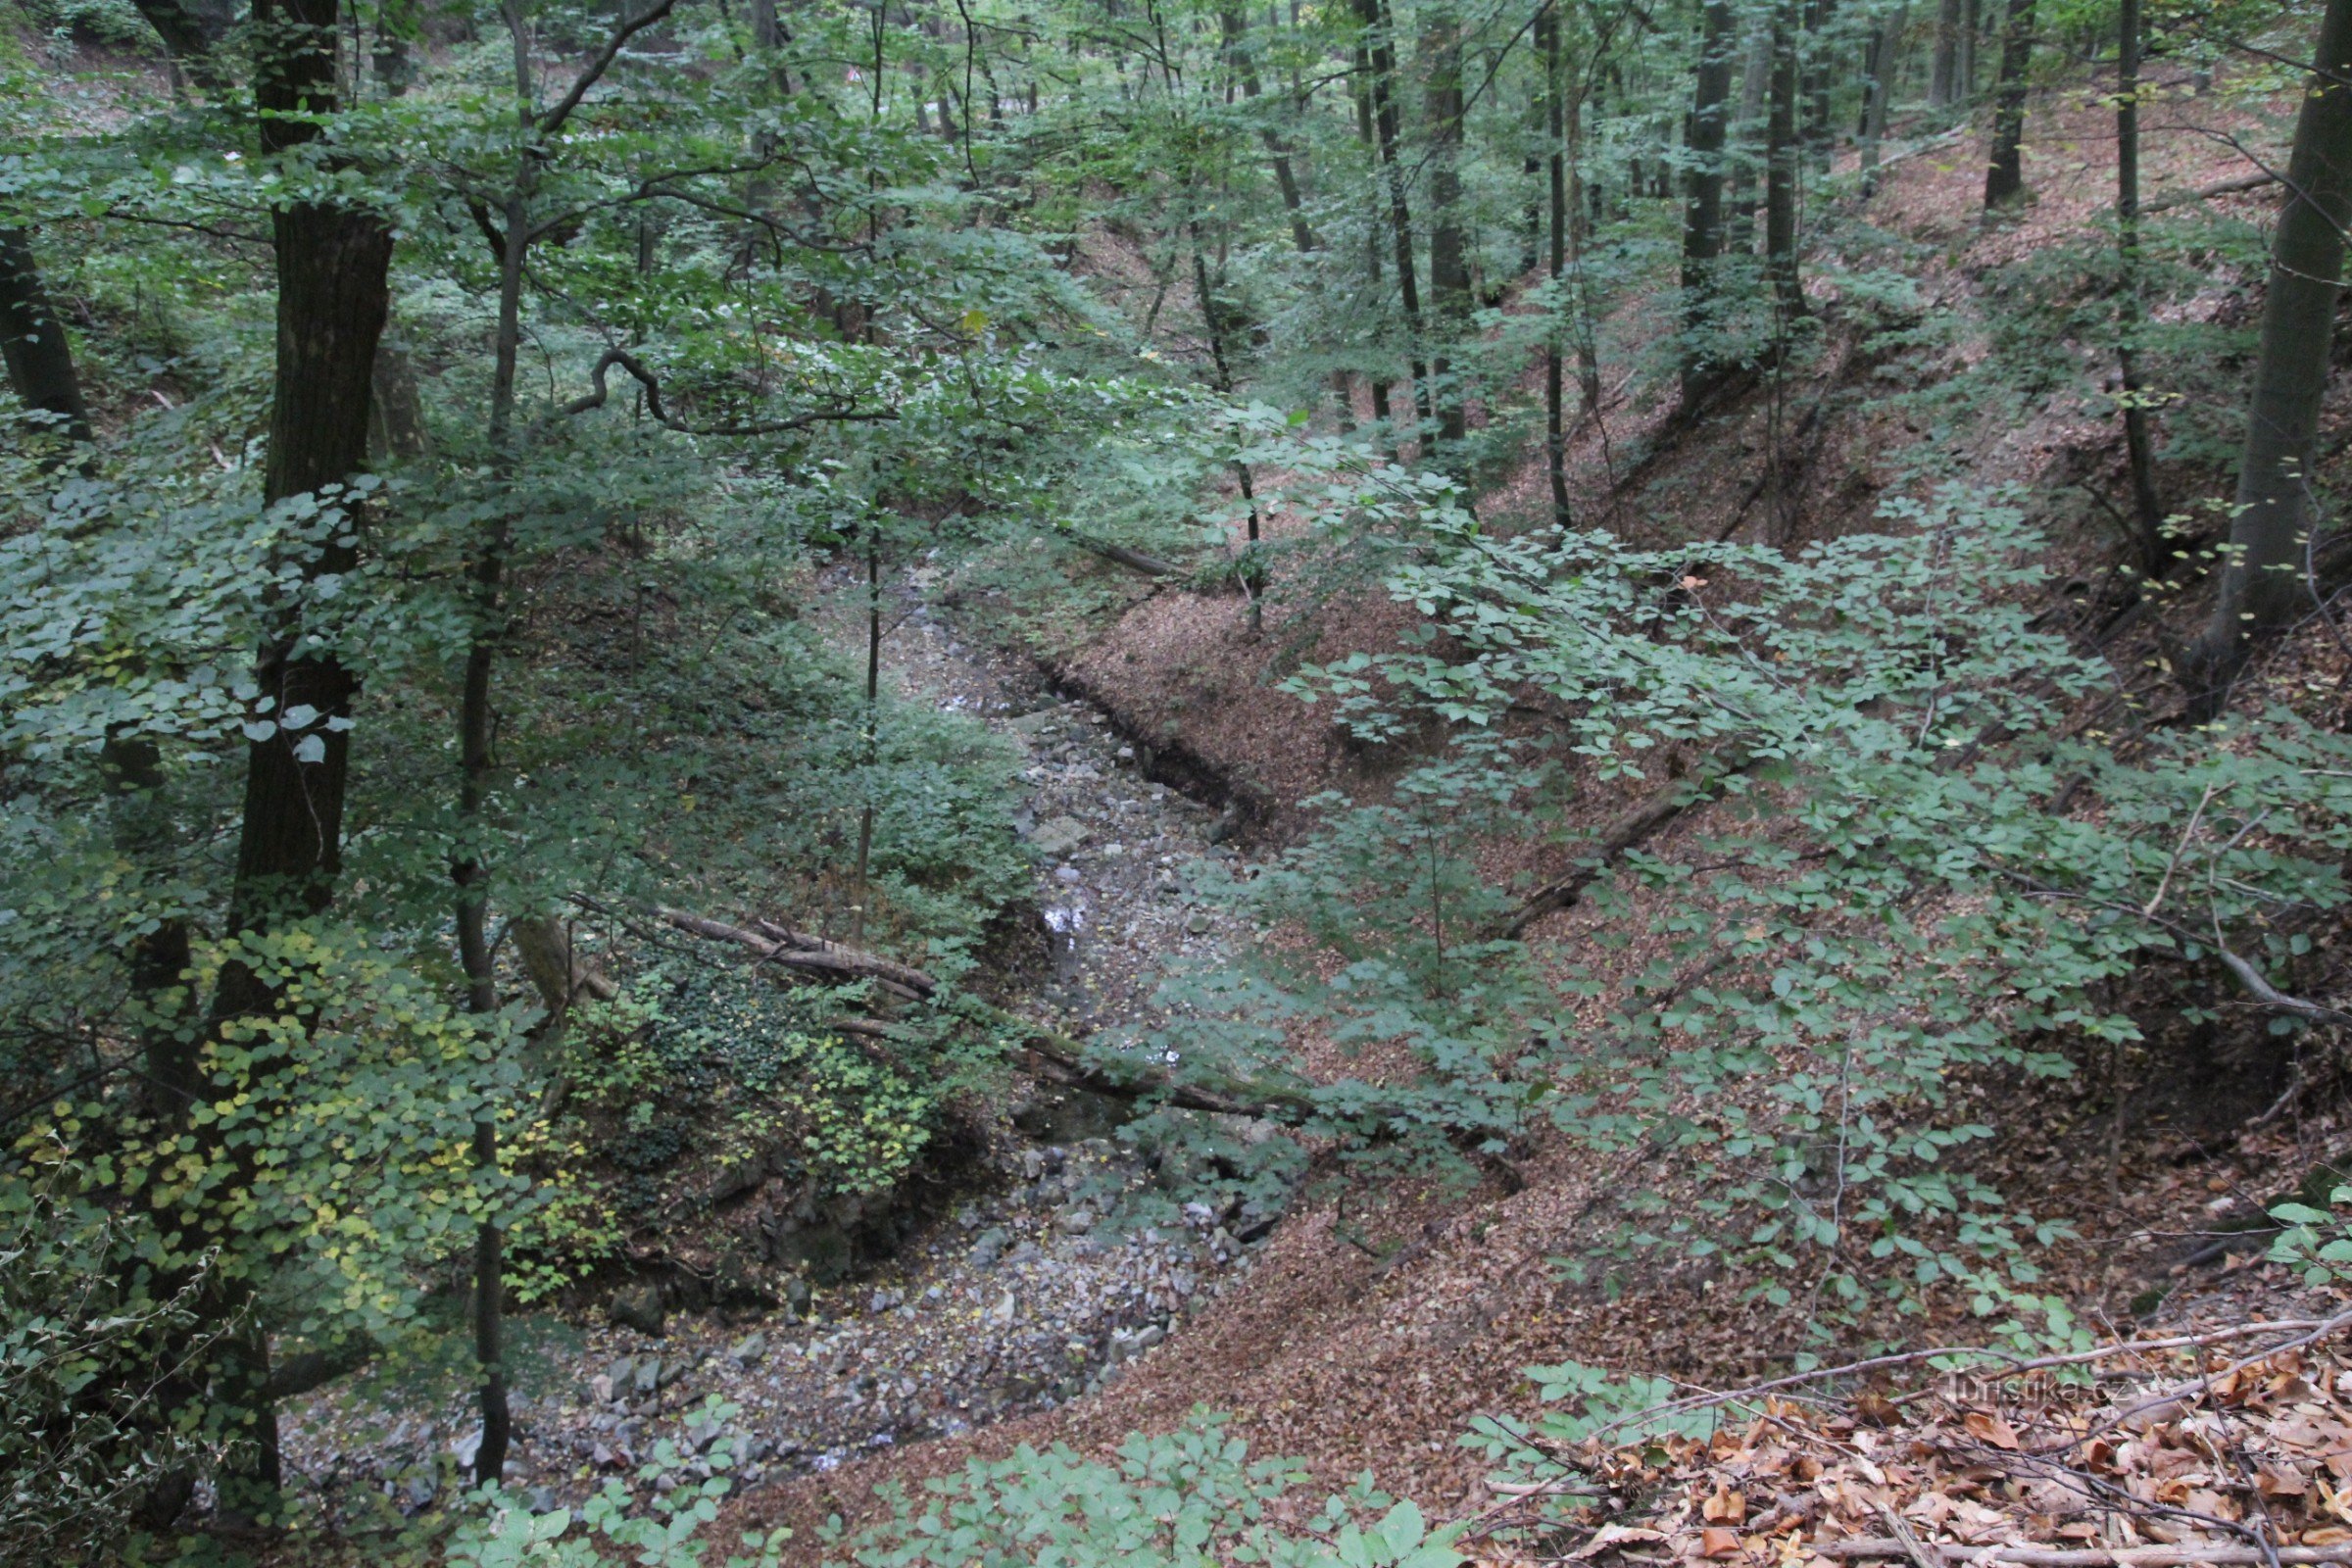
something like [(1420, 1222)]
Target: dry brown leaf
[(1989, 1429), (1726, 1508), (1717, 1541)]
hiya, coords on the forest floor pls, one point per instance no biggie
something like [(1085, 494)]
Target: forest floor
[(1377, 1326)]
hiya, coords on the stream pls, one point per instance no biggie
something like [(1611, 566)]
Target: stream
[(1022, 1298)]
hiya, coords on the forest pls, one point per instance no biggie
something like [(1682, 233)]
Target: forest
[(1354, 784)]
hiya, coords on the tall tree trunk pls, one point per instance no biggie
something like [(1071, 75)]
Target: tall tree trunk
[(1555, 442), (1278, 150), (2272, 517), (1756, 81), (1885, 62), (333, 263), (1374, 15), (1378, 378), (1943, 76), (1815, 70), (1702, 191), (1448, 243), (2005, 171), (40, 362), (2138, 448), (1780, 169)]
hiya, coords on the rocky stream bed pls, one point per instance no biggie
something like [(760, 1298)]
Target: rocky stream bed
[(1025, 1295)]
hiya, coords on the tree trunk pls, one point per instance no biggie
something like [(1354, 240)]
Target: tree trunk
[(2272, 517), (1374, 15), (1448, 243), (40, 361), (2147, 509), (1277, 150), (1555, 443), (1780, 169), (1886, 58), (1756, 81), (1943, 76), (2005, 172), (1703, 187), (332, 295)]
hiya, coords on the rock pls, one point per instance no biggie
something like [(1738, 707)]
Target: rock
[(1033, 724), (1026, 1253), (540, 1500), (671, 1370), (1076, 1220), (637, 1307), (749, 1349), (968, 1217), (882, 1301), (795, 1295), (420, 1489), (1057, 836), (1008, 1308), (646, 1376), (600, 1387), (1198, 923), (466, 1447), (990, 1247), (1148, 1335)]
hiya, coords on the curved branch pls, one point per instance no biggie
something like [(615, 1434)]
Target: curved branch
[(840, 413)]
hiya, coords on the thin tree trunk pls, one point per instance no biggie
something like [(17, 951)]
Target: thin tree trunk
[(2271, 525), (1374, 15), (1555, 443), (1278, 150), (2147, 509), (1755, 80), (2005, 171), (1702, 185), (1378, 379), (1886, 60), (1815, 67), (1448, 242), (1781, 168)]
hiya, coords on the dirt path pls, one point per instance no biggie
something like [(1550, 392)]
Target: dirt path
[(1021, 1298)]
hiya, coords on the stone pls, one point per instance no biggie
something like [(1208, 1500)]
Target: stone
[(1008, 1308), (1033, 724), (646, 1376), (749, 1349), (795, 1295), (1198, 923), (990, 1247), (1057, 836), (1148, 1335), (466, 1447), (883, 1301), (540, 1500), (637, 1307), (1076, 1220)]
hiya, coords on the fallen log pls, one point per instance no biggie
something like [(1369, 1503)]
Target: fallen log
[(1054, 1055), (2206, 193), (1132, 560)]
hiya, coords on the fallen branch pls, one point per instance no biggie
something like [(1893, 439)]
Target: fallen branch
[(599, 374), (1629, 832), (2175, 1557), (1132, 560), (1055, 1057), (845, 964), (2206, 193)]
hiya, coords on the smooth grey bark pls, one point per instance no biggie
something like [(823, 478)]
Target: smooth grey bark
[(1878, 92), (2273, 518)]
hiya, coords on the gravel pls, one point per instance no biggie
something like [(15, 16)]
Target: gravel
[(1023, 1299)]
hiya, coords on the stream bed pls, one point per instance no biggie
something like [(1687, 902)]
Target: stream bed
[(1025, 1295)]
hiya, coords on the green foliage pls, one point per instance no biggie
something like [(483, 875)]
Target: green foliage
[(1187, 1500), (79, 1360)]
